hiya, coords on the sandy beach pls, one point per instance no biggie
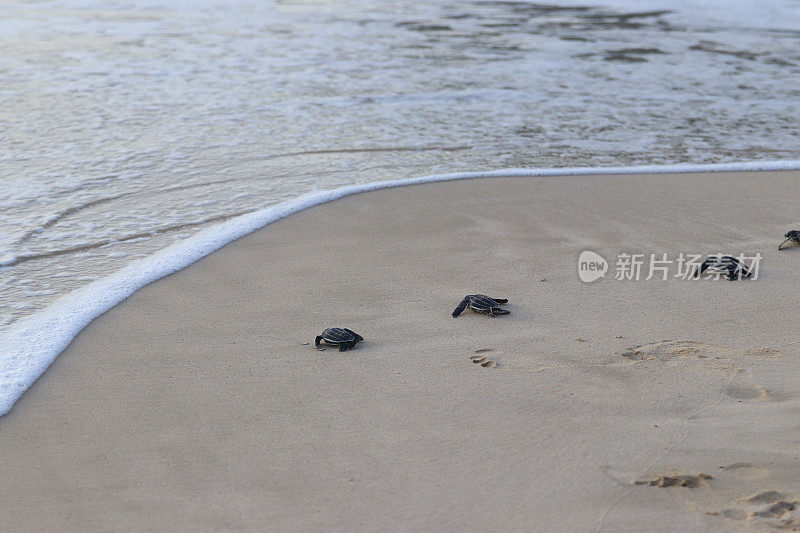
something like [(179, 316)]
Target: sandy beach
[(200, 402)]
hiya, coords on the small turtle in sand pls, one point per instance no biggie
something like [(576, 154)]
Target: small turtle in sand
[(481, 304), (728, 266), (793, 236), (344, 338)]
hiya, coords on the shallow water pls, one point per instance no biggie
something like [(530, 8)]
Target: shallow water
[(131, 125)]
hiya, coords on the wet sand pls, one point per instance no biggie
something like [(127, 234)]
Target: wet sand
[(201, 403)]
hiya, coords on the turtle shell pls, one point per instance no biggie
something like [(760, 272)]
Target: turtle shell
[(337, 336), (725, 263), (482, 302)]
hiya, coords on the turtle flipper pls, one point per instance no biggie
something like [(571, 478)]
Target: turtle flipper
[(784, 242), (497, 311), (501, 300), (703, 267), (358, 337), (317, 342), (460, 309), (343, 347), (742, 273)]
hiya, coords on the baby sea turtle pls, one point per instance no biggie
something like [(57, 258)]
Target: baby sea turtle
[(793, 235), (344, 338), (726, 265), (481, 304)]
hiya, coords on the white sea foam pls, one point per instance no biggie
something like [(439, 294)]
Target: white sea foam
[(29, 346)]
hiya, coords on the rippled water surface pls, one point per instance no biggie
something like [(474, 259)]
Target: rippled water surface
[(129, 125)]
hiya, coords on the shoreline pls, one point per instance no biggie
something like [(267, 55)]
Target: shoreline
[(30, 346), (200, 402)]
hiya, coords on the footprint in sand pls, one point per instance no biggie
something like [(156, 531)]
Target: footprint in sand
[(770, 507), (709, 355), (746, 470), (670, 350), (483, 361), (747, 393), (767, 508), (665, 351), (767, 353), (691, 481)]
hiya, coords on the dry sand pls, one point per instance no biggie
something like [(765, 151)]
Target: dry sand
[(199, 404)]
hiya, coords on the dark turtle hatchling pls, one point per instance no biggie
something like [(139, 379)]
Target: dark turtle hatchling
[(793, 236), (728, 266), (481, 304), (344, 338)]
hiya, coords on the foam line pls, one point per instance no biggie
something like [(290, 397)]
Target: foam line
[(28, 347)]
